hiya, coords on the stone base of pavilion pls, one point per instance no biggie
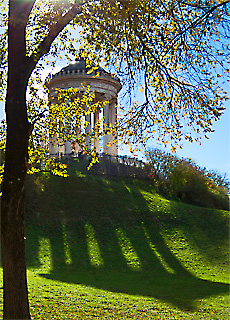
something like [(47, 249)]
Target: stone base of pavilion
[(120, 166)]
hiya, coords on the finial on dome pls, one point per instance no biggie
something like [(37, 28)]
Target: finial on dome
[(80, 55)]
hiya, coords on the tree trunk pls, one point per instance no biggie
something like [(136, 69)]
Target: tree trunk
[(15, 292), (13, 207)]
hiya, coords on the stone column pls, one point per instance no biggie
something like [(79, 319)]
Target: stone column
[(88, 130), (76, 145), (106, 148), (61, 150), (53, 138), (113, 119), (68, 148), (53, 145), (61, 144), (96, 128)]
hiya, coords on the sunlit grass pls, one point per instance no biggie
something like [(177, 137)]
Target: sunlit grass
[(128, 250), (45, 254), (79, 174), (58, 300), (194, 261), (93, 247), (158, 255), (68, 259), (63, 301), (128, 189)]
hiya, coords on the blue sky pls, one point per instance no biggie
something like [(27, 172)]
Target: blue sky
[(213, 153)]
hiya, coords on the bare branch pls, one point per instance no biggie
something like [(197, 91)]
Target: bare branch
[(196, 22)]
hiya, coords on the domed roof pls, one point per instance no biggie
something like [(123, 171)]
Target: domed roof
[(80, 65), (81, 71)]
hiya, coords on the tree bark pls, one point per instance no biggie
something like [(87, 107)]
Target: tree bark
[(15, 292)]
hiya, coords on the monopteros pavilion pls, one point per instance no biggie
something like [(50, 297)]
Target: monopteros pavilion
[(105, 88)]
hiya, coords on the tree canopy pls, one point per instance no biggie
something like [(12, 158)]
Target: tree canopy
[(175, 52)]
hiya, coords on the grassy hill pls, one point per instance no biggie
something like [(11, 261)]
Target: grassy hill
[(112, 248)]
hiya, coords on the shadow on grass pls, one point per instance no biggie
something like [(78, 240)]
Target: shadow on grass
[(102, 234)]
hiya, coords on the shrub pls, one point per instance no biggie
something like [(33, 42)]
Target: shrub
[(184, 180)]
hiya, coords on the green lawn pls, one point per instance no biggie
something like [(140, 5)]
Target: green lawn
[(111, 248)]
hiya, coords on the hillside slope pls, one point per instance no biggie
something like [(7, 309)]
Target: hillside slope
[(120, 236), (112, 248)]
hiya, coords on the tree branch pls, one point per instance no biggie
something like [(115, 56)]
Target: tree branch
[(18, 16), (196, 22), (19, 12), (54, 31)]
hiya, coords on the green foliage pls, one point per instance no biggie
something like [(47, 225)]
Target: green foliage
[(190, 185), (183, 179)]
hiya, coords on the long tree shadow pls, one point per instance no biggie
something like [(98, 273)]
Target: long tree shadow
[(123, 251)]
